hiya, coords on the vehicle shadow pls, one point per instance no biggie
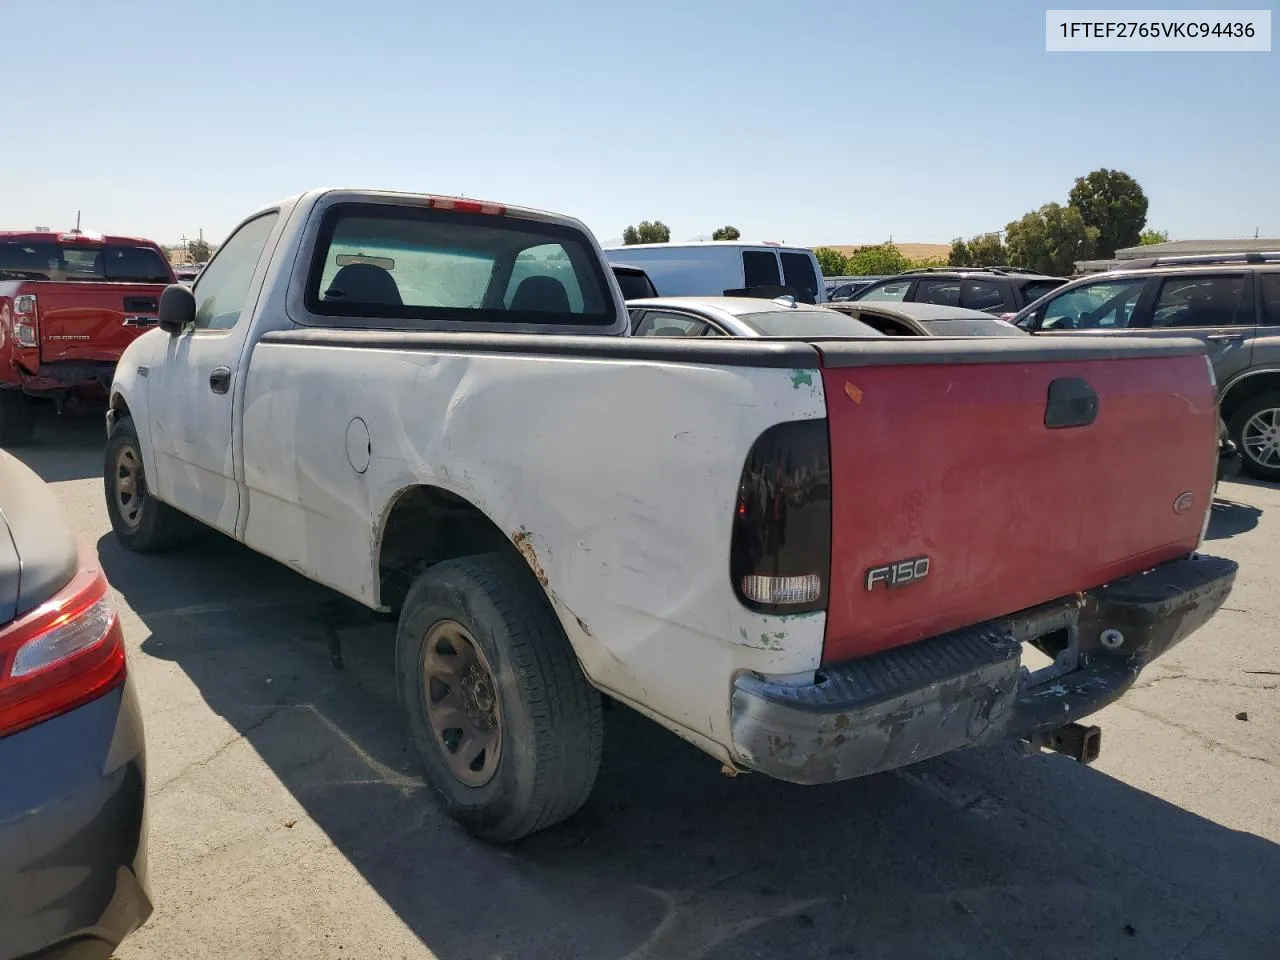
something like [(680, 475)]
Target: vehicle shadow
[(980, 854), (1231, 518), (63, 447)]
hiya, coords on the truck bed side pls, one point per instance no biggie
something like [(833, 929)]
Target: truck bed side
[(612, 463)]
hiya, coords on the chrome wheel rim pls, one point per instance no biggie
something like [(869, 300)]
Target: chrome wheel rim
[(1261, 438), (461, 700), (130, 488)]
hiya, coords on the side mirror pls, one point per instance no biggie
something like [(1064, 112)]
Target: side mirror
[(177, 308)]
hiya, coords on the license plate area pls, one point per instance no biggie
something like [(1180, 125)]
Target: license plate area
[(1050, 639)]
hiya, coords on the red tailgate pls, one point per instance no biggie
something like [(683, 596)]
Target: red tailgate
[(93, 321), (953, 461)]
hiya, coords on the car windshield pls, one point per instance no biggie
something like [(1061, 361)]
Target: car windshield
[(806, 323), (975, 327)]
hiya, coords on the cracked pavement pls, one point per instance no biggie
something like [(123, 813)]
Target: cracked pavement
[(287, 819)]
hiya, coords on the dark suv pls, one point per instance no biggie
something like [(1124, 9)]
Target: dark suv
[(999, 290), (1230, 301)]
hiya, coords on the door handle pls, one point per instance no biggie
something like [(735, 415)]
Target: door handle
[(1224, 337), (220, 379)]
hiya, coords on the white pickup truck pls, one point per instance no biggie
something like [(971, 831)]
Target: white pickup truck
[(817, 560)]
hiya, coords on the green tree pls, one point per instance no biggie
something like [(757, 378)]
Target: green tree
[(1148, 237), (648, 231), (984, 250), (1111, 202), (879, 260), (726, 233), (198, 251), (833, 263), (1050, 240)]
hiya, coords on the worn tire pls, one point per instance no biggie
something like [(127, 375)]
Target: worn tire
[(549, 715), (17, 419), (158, 525), (1241, 417)]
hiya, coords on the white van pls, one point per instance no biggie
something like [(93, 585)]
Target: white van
[(720, 268)]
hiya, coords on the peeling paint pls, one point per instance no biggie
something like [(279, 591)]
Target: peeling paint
[(801, 378), (523, 540)]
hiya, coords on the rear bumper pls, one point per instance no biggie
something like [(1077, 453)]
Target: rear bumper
[(969, 688), (73, 878), (86, 378)]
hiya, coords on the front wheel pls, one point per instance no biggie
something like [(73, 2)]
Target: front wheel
[(1255, 428), (141, 522), (506, 726)]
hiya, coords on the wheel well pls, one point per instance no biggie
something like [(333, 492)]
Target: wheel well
[(427, 525), (1247, 388), (119, 408)]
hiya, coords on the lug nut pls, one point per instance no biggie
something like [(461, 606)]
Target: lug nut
[(1112, 639)]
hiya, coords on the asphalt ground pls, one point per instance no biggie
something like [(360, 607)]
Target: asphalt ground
[(287, 818)]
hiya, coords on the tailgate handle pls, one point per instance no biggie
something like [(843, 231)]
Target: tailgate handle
[(1072, 403), (141, 305)]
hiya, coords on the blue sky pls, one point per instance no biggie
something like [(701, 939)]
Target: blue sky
[(804, 122)]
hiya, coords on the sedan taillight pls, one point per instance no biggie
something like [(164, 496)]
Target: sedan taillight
[(62, 654)]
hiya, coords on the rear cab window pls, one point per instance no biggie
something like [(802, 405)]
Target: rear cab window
[(98, 263), (417, 264)]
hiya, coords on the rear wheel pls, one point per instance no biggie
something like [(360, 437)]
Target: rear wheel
[(506, 726), (17, 420), (140, 521), (1255, 428)]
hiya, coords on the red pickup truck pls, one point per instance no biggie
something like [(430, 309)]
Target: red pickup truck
[(69, 305)]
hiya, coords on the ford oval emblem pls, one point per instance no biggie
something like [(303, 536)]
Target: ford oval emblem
[(1182, 506)]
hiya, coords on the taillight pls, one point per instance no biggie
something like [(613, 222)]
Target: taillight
[(780, 552), (24, 321), (60, 655)]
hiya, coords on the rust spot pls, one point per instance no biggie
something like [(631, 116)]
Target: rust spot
[(854, 393), (523, 540)]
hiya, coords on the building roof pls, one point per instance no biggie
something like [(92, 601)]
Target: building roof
[(1192, 248)]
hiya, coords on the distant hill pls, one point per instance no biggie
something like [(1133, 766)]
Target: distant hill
[(912, 251)]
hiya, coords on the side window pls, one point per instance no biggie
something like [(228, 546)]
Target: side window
[(760, 269), (545, 260), (945, 293), (1205, 301), (891, 290), (799, 275), (1105, 305), (1270, 297), (223, 285), (985, 295), (656, 323)]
